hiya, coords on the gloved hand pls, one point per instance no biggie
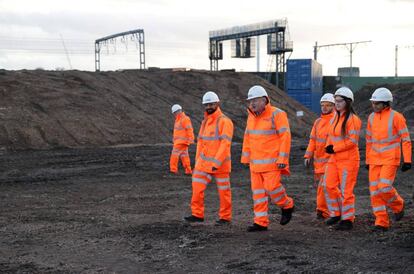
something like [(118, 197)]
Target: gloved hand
[(367, 167), (329, 149), (281, 166), (405, 167), (214, 168), (307, 162)]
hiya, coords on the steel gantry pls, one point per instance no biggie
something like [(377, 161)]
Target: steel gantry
[(138, 34)]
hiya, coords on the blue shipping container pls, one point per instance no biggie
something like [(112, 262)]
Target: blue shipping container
[(304, 82)]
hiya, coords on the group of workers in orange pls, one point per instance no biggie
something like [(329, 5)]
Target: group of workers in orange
[(332, 150)]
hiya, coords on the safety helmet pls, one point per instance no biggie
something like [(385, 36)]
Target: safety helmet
[(210, 97), (256, 92), (381, 95), (328, 97), (175, 107), (345, 92)]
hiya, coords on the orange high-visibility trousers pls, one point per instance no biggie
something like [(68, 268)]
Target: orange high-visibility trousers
[(321, 193), (200, 181), (180, 152), (265, 185), (340, 179), (383, 194)]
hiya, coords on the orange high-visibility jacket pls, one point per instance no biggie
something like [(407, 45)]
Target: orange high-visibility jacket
[(267, 140), (214, 143), (385, 132), (317, 142), (345, 147), (183, 130)]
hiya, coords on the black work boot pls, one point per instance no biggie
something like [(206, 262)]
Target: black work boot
[(286, 216), (398, 216), (333, 220), (319, 215), (379, 228), (344, 225), (193, 219), (255, 227), (222, 222)]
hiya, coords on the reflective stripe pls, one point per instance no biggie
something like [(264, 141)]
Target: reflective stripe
[(368, 132), (348, 215), (210, 159), (261, 200), (274, 113), (224, 137), (381, 190), (404, 130), (379, 208), (264, 161), (208, 138), (347, 207), (260, 214), (222, 180), (373, 183), (321, 140), (261, 132), (356, 132), (246, 154), (320, 160), (379, 150), (390, 122), (284, 154), (277, 199), (223, 187), (258, 191), (371, 118), (354, 141), (200, 180), (312, 137), (343, 183), (384, 141), (385, 181), (336, 139), (406, 139), (198, 172), (277, 190), (309, 153), (282, 129)]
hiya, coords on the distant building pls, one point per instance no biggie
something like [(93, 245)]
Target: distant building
[(348, 72)]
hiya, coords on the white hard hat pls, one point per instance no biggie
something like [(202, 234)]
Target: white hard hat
[(210, 97), (345, 92), (381, 95), (328, 97), (256, 92), (175, 107)]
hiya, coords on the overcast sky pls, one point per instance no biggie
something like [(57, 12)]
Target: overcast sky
[(34, 34)]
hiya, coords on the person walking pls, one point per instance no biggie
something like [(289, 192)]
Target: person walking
[(342, 169), (386, 133), (316, 153), (213, 160), (183, 136), (266, 148)]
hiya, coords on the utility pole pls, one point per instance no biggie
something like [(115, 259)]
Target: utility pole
[(396, 60), (350, 46)]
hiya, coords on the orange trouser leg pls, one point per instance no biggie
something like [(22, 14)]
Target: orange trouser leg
[(200, 181), (383, 194), (321, 196), (340, 178), (185, 160), (265, 185), (174, 161), (224, 191)]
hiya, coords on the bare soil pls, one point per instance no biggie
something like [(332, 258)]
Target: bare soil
[(117, 209)]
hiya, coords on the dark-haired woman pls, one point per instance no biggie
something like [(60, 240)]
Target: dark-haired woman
[(342, 168)]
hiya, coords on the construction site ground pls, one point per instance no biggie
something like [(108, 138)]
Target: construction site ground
[(85, 187), (119, 210)]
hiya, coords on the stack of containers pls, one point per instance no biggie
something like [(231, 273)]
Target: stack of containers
[(304, 82)]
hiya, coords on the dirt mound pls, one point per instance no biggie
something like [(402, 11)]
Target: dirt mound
[(49, 109), (403, 99)]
